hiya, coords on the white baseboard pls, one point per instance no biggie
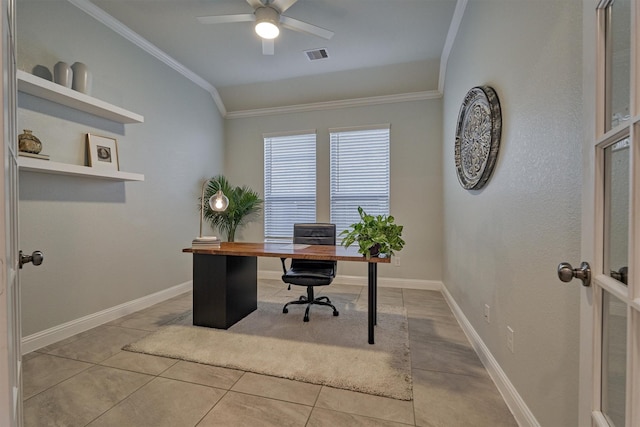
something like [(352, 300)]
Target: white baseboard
[(383, 282), (519, 409), (68, 329)]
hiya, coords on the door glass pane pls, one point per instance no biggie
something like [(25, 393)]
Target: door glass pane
[(614, 359), (619, 58), (617, 210)]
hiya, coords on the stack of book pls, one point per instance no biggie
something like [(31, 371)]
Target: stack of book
[(206, 242)]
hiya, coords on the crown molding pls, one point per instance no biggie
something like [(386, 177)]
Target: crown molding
[(135, 38), (331, 105)]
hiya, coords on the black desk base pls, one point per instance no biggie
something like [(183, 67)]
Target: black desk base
[(225, 289)]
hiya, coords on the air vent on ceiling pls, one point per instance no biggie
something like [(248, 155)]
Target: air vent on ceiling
[(315, 54)]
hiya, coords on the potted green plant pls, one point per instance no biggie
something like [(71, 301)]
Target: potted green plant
[(244, 205), (376, 235)]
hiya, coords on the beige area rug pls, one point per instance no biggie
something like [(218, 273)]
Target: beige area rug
[(328, 350)]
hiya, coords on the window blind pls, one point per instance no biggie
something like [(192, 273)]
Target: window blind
[(289, 183), (359, 174)]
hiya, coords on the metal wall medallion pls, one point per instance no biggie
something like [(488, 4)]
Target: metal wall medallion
[(477, 137)]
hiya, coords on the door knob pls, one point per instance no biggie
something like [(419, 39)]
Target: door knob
[(621, 275), (566, 273), (36, 258)]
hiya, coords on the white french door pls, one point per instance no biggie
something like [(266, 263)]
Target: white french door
[(610, 307), (10, 330)]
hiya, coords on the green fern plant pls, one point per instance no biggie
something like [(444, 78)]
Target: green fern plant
[(374, 234), (244, 206)]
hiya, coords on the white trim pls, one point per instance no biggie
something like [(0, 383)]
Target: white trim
[(454, 26), (357, 128), (290, 133), (135, 38), (383, 282), (330, 105), (73, 327), (519, 409)]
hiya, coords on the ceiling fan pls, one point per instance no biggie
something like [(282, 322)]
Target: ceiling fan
[(268, 15)]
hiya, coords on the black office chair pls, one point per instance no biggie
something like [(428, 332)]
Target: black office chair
[(311, 273)]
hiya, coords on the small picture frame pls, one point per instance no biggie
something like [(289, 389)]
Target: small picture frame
[(102, 152)]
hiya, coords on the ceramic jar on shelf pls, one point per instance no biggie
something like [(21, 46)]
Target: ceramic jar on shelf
[(63, 74), (81, 78)]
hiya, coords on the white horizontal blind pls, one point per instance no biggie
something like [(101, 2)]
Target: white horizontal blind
[(289, 183), (359, 174)]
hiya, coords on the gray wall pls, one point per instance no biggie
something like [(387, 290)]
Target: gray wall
[(416, 175), (504, 242), (107, 243)]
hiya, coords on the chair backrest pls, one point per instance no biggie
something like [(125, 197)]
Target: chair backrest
[(313, 234)]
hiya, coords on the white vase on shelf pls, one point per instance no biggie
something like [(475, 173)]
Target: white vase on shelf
[(63, 74), (81, 78)]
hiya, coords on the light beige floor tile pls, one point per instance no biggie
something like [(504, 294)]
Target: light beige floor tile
[(162, 403), (99, 346), (212, 376), (443, 399), (140, 322), (278, 388), (30, 356), (422, 296), (72, 338), (138, 362), (366, 405), (82, 398), (435, 312), (390, 300), (443, 356), (326, 418), (44, 371), (435, 329), (240, 410)]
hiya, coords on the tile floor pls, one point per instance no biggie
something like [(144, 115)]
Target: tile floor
[(86, 380)]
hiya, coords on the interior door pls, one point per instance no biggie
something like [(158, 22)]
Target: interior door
[(610, 306), (10, 331)]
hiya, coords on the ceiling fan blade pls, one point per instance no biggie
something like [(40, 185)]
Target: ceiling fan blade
[(268, 47), (304, 27), (281, 5), (255, 3), (224, 19)]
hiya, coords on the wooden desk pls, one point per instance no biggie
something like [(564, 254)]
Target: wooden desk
[(225, 279)]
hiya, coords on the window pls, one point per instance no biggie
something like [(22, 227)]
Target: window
[(359, 173), (289, 183)]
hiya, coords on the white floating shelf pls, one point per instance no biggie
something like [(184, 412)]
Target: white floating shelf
[(47, 166), (36, 86)]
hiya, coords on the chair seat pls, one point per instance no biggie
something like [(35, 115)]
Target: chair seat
[(308, 278)]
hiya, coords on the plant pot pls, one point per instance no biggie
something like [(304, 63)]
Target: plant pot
[(374, 250)]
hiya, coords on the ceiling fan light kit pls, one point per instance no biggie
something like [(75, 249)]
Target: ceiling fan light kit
[(267, 20), (268, 17)]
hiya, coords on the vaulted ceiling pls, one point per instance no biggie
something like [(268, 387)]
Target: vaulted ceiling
[(380, 47)]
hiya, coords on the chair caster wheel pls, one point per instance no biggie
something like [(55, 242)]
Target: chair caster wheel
[(335, 313), (306, 318), (285, 310)]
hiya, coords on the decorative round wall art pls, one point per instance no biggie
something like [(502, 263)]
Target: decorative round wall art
[(477, 137)]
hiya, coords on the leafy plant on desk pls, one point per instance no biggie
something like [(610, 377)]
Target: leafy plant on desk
[(244, 206), (375, 235)]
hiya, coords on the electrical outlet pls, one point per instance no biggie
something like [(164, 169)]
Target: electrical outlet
[(510, 338), (487, 313), (396, 261)]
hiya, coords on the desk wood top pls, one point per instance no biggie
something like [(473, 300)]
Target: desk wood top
[(288, 250)]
